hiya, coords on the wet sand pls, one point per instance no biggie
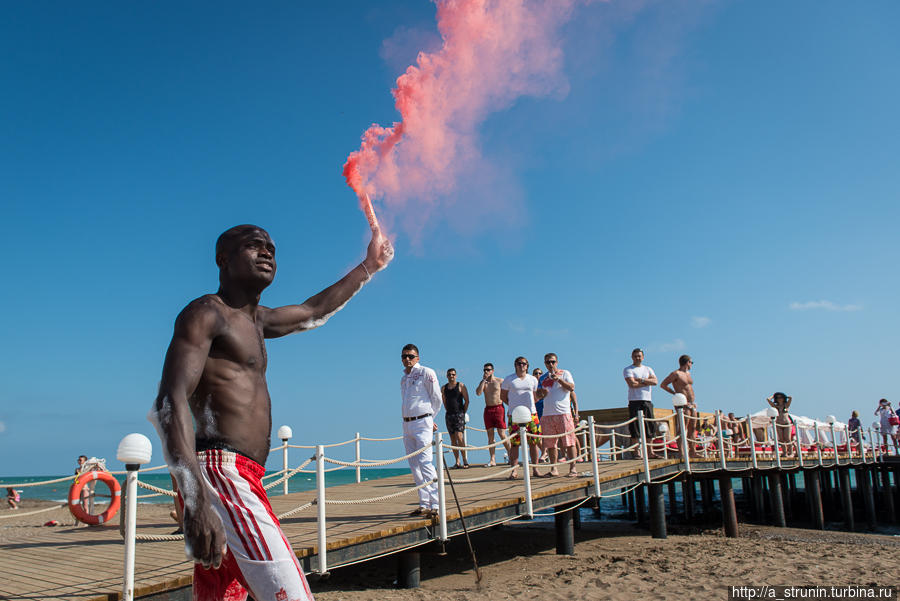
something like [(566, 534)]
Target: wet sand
[(613, 560)]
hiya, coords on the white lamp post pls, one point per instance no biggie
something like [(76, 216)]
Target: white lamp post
[(285, 433), (680, 401), (521, 415), (134, 451), (664, 430)]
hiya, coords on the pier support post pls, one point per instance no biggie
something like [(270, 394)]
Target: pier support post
[(706, 496), (687, 497), (576, 518), (776, 499), (408, 569), (565, 532), (864, 483), (827, 494), (814, 496), (639, 504), (657, 511), (888, 496), (729, 511), (673, 504), (630, 496), (786, 496), (846, 498)]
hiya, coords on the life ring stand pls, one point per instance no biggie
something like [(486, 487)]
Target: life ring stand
[(75, 497)]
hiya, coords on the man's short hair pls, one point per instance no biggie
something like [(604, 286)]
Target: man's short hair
[(683, 360), (410, 347), (779, 394), (83, 457), (225, 242), (453, 369), (637, 350), (491, 365), (548, 355), (520, 359)]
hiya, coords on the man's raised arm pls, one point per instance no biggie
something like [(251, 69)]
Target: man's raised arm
[(195, 328), (316, 310)]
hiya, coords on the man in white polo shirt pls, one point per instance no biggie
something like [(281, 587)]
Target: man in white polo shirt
[(640, 379), (421, 396)]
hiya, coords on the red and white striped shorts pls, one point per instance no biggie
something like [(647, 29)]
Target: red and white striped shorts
[(259, 559)]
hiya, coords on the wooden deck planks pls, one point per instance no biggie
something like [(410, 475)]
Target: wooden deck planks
[(86, 563)]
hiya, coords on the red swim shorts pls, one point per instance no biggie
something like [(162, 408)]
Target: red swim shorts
[(495, 417)]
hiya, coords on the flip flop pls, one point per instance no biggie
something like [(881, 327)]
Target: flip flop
[(572, 475)]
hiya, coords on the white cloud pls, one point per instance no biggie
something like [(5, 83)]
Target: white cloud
[(669, 347), (516, 326), (2, 427), (824, 305), (700, 322)]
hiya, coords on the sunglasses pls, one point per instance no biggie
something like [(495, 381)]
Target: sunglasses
[(488, 369), (548, 362), (521, 363), (408, 356)]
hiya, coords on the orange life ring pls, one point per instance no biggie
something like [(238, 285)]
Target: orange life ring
[(75, 497)]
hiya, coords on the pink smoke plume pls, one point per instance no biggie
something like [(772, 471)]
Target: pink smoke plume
[(493, 52)]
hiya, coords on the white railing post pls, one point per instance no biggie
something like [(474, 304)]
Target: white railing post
[(644, 450), (612, 445), (876, 446), (320, 502), (685, 453), (777, 444), (358, 460), (818, 445), (799, 446), (523, 438), (862, 448), (752, 439), (594, 457), (834, 444), (442, 493), (721, 438)]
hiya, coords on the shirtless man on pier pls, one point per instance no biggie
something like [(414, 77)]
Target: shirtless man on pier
[(214, 376), (682, 382)]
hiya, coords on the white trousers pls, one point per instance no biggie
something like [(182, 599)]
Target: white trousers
[(417, 434)]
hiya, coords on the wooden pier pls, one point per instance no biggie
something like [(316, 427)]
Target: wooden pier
[(85, 564)]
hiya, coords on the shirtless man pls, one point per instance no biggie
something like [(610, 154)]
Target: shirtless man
[(681, 381), (494, 414), (214, 376)]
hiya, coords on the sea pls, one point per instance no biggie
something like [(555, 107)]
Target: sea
[(300, 482)]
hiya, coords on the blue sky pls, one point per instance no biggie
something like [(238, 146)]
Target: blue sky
[(719, 179)]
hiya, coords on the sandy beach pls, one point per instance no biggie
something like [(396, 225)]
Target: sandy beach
[(613, 560)]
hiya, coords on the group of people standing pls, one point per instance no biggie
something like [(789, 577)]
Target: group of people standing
[(422, 398)]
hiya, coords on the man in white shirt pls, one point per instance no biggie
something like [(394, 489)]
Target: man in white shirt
[(640, 379), (556, 387), (421, 400), (518, 390)]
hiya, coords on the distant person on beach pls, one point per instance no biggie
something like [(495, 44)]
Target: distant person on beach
[(555, 387), (518, 390), (456, 404), (494, 415), (421, 400), (681, 381), (888, 418), (782, 403), (214, 377), (538, 373), (12, 497), (87, 492), (640, 379), (853, 425)]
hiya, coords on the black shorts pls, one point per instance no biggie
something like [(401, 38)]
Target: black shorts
[(456, 422), (647, 408)]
